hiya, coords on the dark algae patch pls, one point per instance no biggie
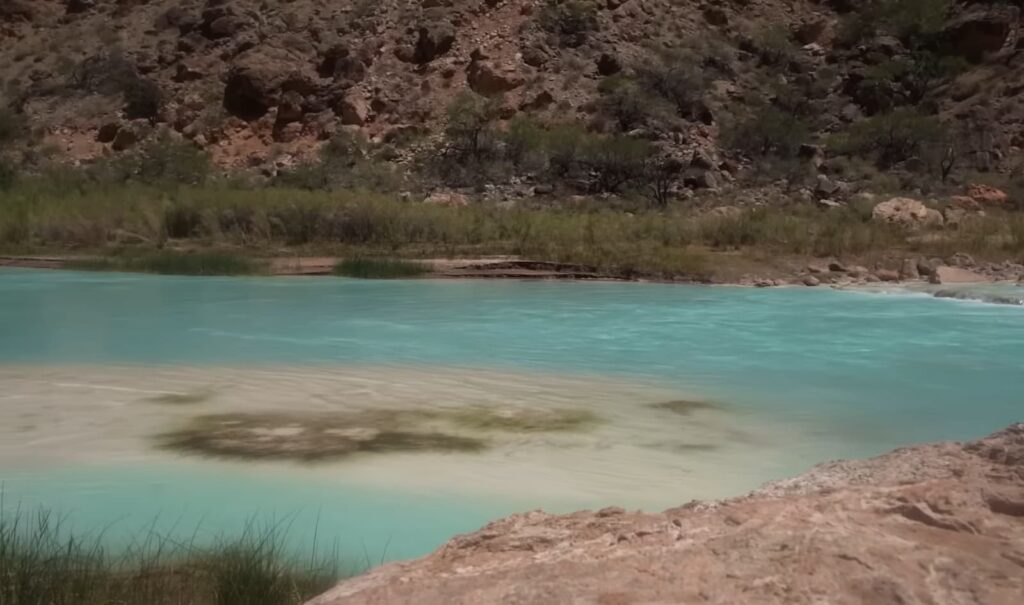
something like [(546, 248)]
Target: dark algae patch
[(326, 436), (685, 407), (190, 398), (310, 437)]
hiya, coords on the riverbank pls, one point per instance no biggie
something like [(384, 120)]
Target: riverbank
[(956, 270), (717, 241), (923, 523)]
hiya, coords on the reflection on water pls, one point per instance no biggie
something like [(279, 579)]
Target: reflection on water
[(445, 404)]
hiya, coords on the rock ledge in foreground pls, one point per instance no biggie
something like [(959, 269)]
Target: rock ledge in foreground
[(940, 523)]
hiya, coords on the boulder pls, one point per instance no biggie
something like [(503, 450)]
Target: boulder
[(927, 267), (812, 30), (961, 259), (17, 10), (964, 202), (338, 63), (608, 64), (700, 179), (909, 269), (124, 139), (859, 272), (432, 41), (223, 22), (887, 275), (353, 111), (259, 77), (985, 30), (818, 267), (487, 78), (79, 6), (956, 275), (907, 212), (986, 195), (108, 132), (811, 281)]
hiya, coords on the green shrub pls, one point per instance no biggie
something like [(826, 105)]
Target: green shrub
[(615, 161), (44, 561), (677, 78), (12, 127), (628, 105), (166, 262), (113, 73), (8, 174), (570, 20), (775, 46), (162, 160), (380, 268), (890, 138), (769, 131)]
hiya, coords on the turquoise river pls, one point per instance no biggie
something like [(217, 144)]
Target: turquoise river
[(93, 366)]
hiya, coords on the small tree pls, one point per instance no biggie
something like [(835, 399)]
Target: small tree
[(469, 133), (769, 131), (615, 161), (661, 175), (677, 78), (890, 138), (570, 20), (626, 104)]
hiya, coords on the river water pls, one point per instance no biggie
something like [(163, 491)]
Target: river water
[(693, 392)]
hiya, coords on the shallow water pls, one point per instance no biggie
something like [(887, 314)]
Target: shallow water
[(90, 363)]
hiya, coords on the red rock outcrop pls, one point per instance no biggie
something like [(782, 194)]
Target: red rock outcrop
[(941, 523)]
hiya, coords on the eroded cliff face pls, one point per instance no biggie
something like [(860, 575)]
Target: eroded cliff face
[(257, 82), (941, 523)]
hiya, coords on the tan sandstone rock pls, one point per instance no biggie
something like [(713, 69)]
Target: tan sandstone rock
[(956, 275), (940, 523), (907, 212)]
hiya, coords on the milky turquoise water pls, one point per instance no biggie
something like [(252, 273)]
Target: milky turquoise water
[(803, 375)]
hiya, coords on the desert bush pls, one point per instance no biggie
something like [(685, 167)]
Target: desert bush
[(45, 561), (774, 45), (113, 73), (162, 160), (471, 148), (8, 173), (615, 161), (626, 103), (768, 131), (678, 78), (570, 20), (890, 138), (345, 161), (12, 126), (524, 143)]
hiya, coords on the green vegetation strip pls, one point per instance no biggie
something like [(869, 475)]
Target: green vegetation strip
[(44, 562), (173, 263)]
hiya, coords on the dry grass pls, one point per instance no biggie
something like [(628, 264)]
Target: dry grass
[(674, 243), (43, 562)]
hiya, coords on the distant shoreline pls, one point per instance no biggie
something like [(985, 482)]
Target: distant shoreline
[(514, 268)]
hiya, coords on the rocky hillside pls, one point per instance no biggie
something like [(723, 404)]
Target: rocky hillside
[(939, 523), (917, 87)]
